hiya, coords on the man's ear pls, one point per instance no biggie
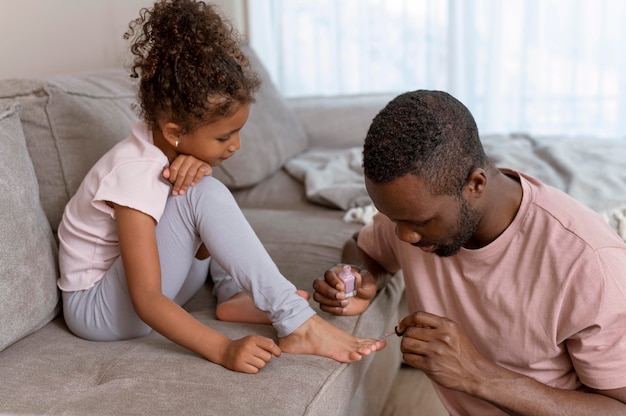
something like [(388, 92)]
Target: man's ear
[(172, 132), (476, 181)]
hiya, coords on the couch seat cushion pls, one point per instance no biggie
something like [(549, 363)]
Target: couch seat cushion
[(53, 372)]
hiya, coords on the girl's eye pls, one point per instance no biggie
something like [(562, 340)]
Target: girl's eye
[(223, 139)]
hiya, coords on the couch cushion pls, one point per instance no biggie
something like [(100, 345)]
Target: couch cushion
[(69, 121), (28, 271), (337, 122), (53, 372), (279, 191), (272, 135)]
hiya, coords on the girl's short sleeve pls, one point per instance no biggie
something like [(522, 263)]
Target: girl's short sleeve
[(138, 185)]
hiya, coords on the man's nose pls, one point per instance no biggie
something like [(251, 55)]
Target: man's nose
[(406, 234)]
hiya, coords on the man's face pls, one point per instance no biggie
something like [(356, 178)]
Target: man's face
[(439, 224)]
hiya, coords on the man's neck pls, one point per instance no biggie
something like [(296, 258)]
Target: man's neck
[(504, 197)]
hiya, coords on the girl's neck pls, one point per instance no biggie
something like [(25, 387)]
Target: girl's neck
[(159, 141)]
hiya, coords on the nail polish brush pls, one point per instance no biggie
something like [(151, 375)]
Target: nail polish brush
[(390, 333)]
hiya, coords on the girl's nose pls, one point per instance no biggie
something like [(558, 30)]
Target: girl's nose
[(235, 144)]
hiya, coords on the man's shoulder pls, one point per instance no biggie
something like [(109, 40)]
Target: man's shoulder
[(565, 214)]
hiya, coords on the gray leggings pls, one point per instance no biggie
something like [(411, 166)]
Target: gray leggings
[(206, 213)]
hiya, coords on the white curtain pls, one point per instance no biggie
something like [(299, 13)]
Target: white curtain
[(532, 66)]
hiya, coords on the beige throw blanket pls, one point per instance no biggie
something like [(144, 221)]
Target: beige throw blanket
[(331, 177)]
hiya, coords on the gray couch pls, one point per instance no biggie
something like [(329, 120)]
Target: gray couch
[(52, 129)]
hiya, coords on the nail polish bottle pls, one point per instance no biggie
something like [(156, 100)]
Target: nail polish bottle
[(349, 280)]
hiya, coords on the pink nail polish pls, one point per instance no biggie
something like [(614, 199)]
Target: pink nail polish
[(349, 280)]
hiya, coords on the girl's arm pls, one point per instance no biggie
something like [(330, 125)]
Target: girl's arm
[(138, 248)]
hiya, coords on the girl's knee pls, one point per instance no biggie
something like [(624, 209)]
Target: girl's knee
[(210, 184), (213, 192)]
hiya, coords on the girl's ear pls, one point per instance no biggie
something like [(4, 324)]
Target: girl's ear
[(172, 132)]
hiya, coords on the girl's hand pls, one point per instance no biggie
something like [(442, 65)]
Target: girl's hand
[(249, 354), (186, 171), (330, 294)]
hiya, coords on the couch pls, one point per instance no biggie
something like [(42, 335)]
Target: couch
[(52, 129), (297, 180)]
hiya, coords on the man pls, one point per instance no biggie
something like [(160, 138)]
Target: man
[(516, 292)]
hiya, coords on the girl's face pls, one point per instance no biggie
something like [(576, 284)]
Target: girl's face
[(216, 141)]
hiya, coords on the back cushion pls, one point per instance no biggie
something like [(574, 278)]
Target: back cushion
[(69, 121), (272, 135), (28, 268)]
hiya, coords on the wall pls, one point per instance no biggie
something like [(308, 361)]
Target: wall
[(50, 36)]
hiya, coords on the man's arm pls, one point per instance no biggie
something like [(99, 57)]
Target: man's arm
[(521, 395), (438, 347), (370, 276)]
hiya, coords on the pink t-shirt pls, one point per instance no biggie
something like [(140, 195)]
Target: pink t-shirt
[(130, 174), (546, 299)]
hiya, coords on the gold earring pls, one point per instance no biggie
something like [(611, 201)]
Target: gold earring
[(176, 143)]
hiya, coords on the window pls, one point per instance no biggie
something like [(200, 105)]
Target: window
[(533, 66)]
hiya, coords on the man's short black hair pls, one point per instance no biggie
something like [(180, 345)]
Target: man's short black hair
[(429, 134)]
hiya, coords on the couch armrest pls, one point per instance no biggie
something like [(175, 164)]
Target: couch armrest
[(337, 122)]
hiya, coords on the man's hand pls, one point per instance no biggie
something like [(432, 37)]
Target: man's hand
[(438, 347), (330, 292), (186, 171)]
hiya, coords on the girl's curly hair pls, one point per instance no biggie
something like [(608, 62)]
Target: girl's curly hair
[(190, 67)]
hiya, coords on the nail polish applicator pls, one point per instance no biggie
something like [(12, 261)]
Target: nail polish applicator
[(390, 333)]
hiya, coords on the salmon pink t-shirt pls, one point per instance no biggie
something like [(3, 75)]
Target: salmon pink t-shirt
[(546, 299), (130, 174)]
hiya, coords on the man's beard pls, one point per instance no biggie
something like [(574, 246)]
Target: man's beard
[(466, 227)]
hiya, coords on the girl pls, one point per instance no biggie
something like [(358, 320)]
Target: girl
[(132, 251)]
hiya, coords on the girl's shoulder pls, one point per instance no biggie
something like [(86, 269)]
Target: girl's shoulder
[(137, 147)]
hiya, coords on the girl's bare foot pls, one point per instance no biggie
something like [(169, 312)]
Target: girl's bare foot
[(318, 337), (240, 308)]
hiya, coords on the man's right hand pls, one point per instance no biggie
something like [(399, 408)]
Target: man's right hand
[(329, 292)]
